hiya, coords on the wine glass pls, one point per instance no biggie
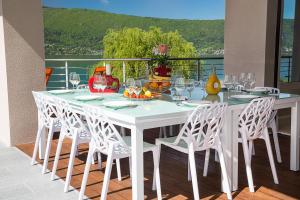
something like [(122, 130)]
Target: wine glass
[(179, 86), (190, 85), (74, 79), (100, 82), (130, 83), (251, 80), (243, 79), (138, 88), (235, 81), (227, 81)]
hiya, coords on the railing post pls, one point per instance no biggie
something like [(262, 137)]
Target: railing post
[(198, 70), (124, 72), (67, 72), (289, 70)]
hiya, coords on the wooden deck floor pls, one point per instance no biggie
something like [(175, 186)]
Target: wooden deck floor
[(173, 170)]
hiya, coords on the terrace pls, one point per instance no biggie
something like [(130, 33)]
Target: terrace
[(251, 45)]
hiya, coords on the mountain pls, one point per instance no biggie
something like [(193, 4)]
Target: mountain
[(80, 31)]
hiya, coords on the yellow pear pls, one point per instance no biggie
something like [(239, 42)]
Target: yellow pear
[(213, 85)]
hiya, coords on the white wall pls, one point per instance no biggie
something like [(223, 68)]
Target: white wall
[(22, 68)]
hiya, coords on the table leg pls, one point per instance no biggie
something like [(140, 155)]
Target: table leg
[(230, 147), (42, 144), (295, 133), (137, 163)]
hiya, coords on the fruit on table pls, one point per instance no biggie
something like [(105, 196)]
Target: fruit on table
[(143, 95), (213, 85), (148, 94)]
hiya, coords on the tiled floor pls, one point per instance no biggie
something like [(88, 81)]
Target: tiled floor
[(21, 181)]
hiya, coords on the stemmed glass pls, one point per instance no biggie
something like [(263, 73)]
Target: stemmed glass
[(235, 81), (190, 85), (138, 88), (179, 86), (130, 84), (100, 82), (243, 79), (251, 80), (227, 81), (74, 79)]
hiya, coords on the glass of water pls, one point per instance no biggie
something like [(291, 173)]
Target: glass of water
[(179, 86), (190, 85)]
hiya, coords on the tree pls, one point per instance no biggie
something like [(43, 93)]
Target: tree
[(138, 43)]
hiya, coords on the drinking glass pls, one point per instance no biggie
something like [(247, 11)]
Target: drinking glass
[(235, 81), (179, 86), (243, 79), (138, 88), (130, 84), (74, 79), (251, 80), (190, 85), (100, 82), (227, 81)]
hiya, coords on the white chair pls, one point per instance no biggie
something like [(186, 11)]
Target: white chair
[(47, 119), (253, 125), (107, 140), (73, 128), (272, 122), (201, 133)]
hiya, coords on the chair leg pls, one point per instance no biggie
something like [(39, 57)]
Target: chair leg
[(93, 160), (71, 162), (206, 162), (162, 132), (189, 171), (130, 166), (216, 157), (123, 132), (251, 147), (118, 169), (247, 163), (276, 142), (253, 150), (42, 143), (86, 173), (36, 146), (57, 154), (224, 173), (156, 175), (107, 174), (270, 154), (48, 148), (193, 172), (99, 160), (171, 131)]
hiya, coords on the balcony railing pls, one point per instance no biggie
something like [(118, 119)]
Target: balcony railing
[(199, 68)]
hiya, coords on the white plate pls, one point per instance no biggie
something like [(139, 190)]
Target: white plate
[(245, 96), (118, 104), (87, 98), (258, 90), (60, 91), (196, 103)]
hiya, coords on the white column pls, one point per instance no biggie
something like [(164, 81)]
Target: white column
[(22, 68)]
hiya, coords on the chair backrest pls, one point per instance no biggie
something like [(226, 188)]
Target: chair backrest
[(271, 90), (254, 118), (46, 108), (203, 126), (103, 131), (69, 117)]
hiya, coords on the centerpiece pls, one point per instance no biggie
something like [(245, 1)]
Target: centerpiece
[(160, 77)]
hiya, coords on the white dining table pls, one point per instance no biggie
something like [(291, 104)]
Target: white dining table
[(166, 112)]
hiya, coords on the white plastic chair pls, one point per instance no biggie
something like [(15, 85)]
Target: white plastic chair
[(73, 128), (253, 125), (272, 122), (47, 119), (201, 133), (107, 140)]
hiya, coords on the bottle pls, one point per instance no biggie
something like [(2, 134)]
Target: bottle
[(213, 85)]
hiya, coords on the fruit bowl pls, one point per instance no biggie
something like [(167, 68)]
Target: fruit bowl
[(144, 95), (157, 86)]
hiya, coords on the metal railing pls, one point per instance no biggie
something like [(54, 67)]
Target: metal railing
[(62, 67), (199, 68)]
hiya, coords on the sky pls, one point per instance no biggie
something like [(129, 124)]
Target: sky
[(173, 9)]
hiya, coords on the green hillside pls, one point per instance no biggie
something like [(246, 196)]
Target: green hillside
[(80, 31)]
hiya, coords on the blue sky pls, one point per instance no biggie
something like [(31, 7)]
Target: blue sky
[(176, 9)]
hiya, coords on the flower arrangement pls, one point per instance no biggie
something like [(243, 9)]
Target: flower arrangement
[(160, 55)]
